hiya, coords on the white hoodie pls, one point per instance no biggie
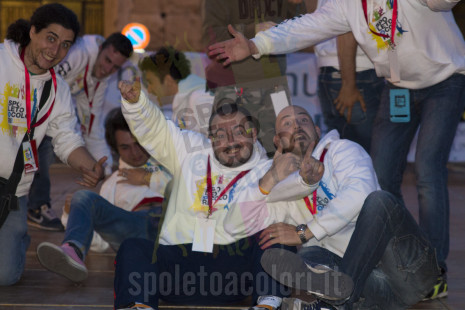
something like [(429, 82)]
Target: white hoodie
[(430, 47), (348, 179), (73, 67), (185, 155), (60, 125)]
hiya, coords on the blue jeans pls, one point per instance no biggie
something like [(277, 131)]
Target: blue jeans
[(39, 193), (436, 110), (360, 127), (14, 242), (179, 275), (389, 258), (90, 211)]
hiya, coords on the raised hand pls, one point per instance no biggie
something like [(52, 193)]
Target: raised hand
[(232, 50), (283, 165), (130, 91), (311, 169)]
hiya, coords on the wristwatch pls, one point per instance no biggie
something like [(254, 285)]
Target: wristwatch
[(300, 229)]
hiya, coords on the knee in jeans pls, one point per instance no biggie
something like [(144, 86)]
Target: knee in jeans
[(83, 195), (9, 276), (380, 203)]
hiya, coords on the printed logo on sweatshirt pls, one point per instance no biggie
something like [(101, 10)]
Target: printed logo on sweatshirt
[(381, 23), (13, 111), (323, 197), (201, 196)]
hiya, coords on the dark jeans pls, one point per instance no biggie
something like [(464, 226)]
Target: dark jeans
[(179, 275), (436, 110), (360, 127), (389, 258), (90, 211), (39, 193)]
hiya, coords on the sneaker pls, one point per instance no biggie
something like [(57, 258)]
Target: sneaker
[(297, 304), (439, 289), (289, 269), (267, 303), (44, 218), (62, 260), (137, 306)]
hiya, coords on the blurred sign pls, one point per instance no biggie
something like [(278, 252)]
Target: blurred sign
[(138, 34)]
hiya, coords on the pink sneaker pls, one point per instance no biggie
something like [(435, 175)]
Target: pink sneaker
[(62, 260)]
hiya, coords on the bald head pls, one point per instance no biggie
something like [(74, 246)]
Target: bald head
[(295, 130)]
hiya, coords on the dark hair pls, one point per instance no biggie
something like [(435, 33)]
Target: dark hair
[(120, 42), (167, 61), (43, 16), (230, 109), (114, 121)]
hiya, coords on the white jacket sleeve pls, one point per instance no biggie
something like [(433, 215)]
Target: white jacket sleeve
[(355, 178), (63, 124), (304, 31), (291, 188), (162, 139), (440, 5), (95, 140)]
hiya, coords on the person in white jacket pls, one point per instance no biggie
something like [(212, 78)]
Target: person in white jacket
[(210, 176), (346, 223), (27, 58), (417, 46), (348, 89), (129, 206), (86, 68), (180, 93)]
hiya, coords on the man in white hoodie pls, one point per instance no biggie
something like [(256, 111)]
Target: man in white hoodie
[(27, 58), (86, 68), (129, 206), (345, 223), (197, 261), (417, 46)]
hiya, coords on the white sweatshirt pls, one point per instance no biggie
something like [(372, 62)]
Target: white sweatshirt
[(326, 53), (348, 179), (73, 67), (60, 125), (185, 155), (430, 47)]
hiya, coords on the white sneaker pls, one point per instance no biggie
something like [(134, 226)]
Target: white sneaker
[(268, 302)]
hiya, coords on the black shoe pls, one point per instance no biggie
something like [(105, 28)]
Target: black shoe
[(439, 289), (44, 218), (289, 269)]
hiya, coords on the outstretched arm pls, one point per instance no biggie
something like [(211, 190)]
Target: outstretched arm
[(232, 50)]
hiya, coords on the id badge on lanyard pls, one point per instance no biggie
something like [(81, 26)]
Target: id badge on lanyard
[(31, 160)]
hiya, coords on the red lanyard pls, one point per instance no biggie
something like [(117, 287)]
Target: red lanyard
[(28, 96), (86, 90), (393, 24), (311, 208), (210, 186)]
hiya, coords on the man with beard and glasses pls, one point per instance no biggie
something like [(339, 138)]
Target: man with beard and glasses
[(210, 176), (345, 224)]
